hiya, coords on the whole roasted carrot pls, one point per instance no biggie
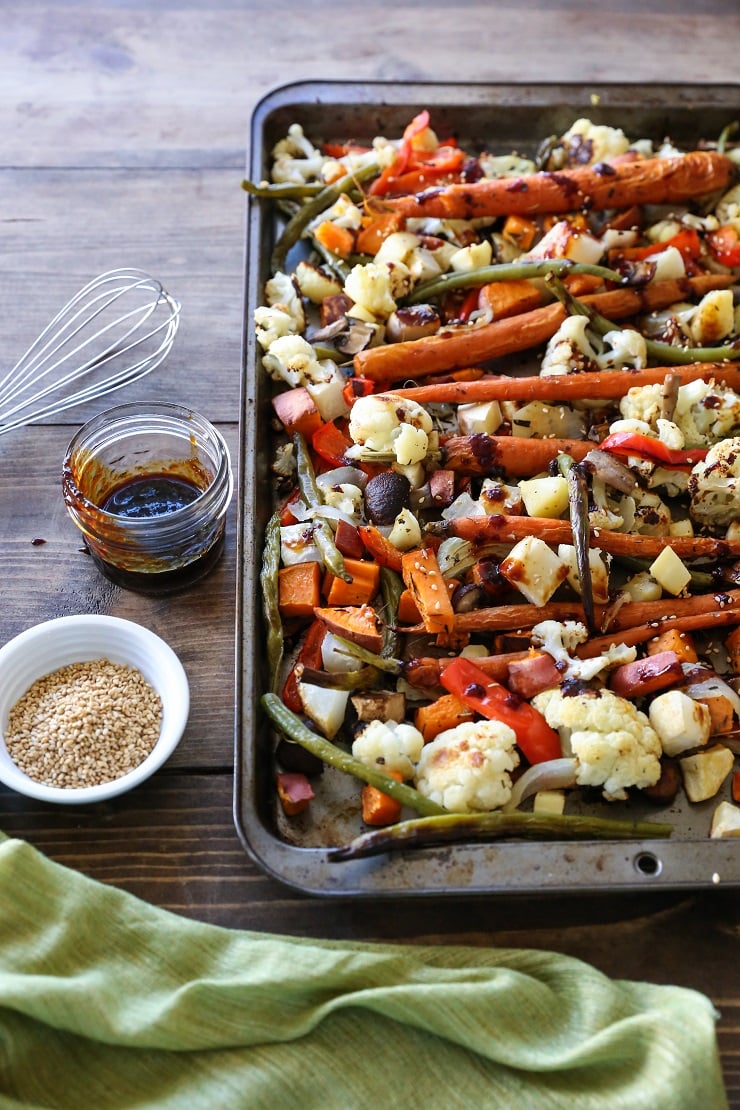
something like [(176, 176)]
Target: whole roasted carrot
[(648, 181), (515, 456), (606, 385), (502, 529), (633, 614), (456, 348)]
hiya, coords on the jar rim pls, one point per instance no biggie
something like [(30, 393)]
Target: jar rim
[(122, 417)]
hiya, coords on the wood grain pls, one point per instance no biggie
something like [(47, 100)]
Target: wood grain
[(125, 126)]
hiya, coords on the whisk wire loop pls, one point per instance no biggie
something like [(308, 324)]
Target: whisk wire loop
[(71, 347)]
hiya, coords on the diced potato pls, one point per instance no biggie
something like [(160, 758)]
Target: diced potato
[(680, 722), (329, 399), (541, 421), (483, 418), (549, 802), (472, 257), (379, 705), (672, 574), (545, 496), (725, 820), (681, 528), (325, 707), (599, 572), (534, 569), (643, 587), (672, 640), (704, 772)]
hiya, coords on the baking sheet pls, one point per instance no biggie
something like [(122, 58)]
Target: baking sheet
[(296, 852)]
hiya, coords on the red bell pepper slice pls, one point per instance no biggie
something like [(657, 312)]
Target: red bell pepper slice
[(330, 443), (724, 243), (654, 450), (492, 700), (686, 241)]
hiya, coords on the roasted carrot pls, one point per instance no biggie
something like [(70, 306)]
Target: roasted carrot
[(421, 575), (441, 714), (338, 240), (640, 633), (516, 456), (651, 614), (504, 529), (361, 590), (299, 589), (379, 808), (607, 385), (455, 348), (647, 181)]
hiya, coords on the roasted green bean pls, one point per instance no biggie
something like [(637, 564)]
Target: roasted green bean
[(293, 727), (269, 584), (427, 832), (322, 533), (508, 271)]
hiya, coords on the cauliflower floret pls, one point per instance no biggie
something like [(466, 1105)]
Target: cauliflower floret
[(561, 641), (295, 159), (271, 324), (569, 350), (466, 768), (342, 212), (714, 485), (586, 143), (627, 347), (292, 359), (705, 412), (383, 423), (376, 286), (389, 746), (282, 292), (613, 743)]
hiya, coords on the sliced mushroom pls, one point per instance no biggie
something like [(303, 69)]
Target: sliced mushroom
[(357, 336)]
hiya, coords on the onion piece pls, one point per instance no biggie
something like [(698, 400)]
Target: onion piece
[(611, 471), (325, 512), (342, 475), (554, 774)]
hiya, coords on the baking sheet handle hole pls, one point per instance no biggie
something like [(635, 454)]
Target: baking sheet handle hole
[(648, 864)]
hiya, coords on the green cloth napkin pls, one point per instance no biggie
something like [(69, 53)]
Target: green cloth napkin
[(106, 1001)]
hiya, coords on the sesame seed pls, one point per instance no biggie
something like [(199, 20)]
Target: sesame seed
[(84, 724)]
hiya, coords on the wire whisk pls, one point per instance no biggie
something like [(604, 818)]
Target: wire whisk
[(115, 330)]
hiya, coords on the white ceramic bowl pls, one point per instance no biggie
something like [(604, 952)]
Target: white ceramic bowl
[(56, 643)]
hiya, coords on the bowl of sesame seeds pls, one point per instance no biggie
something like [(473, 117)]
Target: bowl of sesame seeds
[(90, 706)]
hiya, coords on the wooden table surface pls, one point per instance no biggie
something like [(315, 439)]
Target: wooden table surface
[(123, 130)]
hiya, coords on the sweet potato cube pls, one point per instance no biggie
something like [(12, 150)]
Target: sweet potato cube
[(358, 623), (732, 643), (446, 712), (299, 589), (297, 412), (721, 713), (672, 640)]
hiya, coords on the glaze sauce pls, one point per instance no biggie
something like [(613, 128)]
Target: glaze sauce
[(150, 495)]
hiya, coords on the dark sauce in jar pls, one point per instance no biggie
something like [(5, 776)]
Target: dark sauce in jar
[(150, 495)]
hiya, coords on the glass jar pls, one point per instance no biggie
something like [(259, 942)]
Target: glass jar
[(148, 485)]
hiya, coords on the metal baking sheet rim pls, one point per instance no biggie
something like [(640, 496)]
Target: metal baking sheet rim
[(493, 868)]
